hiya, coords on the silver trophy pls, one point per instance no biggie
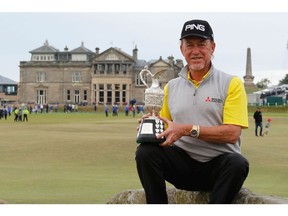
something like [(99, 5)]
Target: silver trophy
[(152, 126)]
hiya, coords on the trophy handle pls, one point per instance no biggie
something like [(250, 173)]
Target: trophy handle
[(144, 71), (155, 77)]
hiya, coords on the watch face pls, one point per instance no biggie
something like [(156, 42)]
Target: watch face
[(194, 132)]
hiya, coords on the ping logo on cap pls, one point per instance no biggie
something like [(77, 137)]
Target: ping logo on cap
[(194, 26), (197, 28)]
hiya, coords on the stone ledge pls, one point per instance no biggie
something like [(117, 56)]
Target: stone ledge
[(176, 196)]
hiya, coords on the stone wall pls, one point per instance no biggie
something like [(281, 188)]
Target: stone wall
[(176, 196)]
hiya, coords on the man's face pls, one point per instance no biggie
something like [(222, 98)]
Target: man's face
[(197, 52)]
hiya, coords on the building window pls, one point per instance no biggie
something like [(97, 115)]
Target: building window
[(124, 69), (68, 95), (110, 69), (117, 68), (101, 68), (101, 93), (109, 93), (41, 96), (41, 76), (117, 93), (79, 57), (10, 90), (124, 88), (76, 77), (76, 96), (94, 93), (85, 96), (138, 81), (42, 57)]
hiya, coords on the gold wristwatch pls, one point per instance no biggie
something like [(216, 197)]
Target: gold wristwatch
[(194, 132)]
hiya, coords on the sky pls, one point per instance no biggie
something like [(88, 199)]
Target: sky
[(155, 33)]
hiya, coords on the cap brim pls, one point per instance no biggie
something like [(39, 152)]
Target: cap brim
[(194, 35)]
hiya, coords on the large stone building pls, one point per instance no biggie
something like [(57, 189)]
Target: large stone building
[(81, 76)]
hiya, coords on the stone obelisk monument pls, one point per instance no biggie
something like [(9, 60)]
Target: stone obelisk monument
[(248, 78)]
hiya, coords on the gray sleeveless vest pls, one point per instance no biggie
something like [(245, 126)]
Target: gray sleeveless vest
[(200, 106)]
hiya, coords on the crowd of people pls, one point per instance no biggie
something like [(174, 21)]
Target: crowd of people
[(129, 110), (21, 112), (5, 111)]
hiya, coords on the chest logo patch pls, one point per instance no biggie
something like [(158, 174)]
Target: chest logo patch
[(214, 100)]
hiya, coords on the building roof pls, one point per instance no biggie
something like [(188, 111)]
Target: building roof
[(81, 49), (123, 53), (6, 81), (46, 48), (140, 63), (119, 51)]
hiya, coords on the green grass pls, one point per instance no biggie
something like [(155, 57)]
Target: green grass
[(268, 157), (86, 158)]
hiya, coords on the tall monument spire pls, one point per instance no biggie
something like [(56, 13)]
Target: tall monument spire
[(248, 78)]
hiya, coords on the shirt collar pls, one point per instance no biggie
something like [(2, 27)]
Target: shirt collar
[(194, 81)]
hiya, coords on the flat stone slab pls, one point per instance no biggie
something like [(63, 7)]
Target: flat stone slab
[(176, 196)]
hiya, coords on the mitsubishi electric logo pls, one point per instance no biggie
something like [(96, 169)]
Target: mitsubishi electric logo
[(208, 99), (215, 100), (193, 26)]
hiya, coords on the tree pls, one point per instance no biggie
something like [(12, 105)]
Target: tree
[(284, 80), (263, 83)]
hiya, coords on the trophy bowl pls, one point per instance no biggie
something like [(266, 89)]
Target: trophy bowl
[(152, 126)]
